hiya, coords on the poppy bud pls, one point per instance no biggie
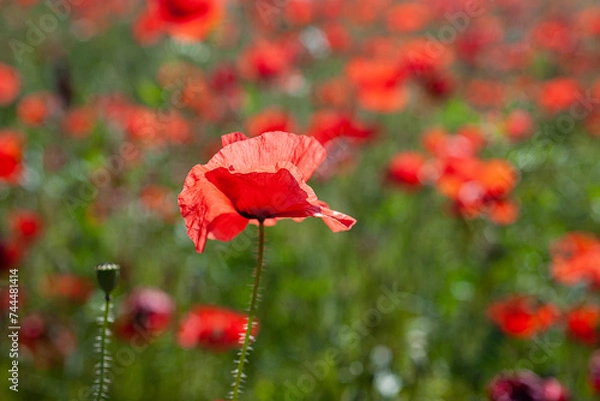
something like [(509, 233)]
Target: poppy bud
[(108, 275)]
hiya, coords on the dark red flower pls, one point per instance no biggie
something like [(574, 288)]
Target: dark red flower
[(254, 179), (526, 386), (214, 328), (11, 253), (145, 313), (518, 386)]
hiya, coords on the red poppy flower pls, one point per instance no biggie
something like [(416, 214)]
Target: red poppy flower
[(485, 93), (67, 287), (497, 178), (299, 12), (520, 317), (270, 120), (11, 155), (35, 108), (526, 385), (326, 126), (518, 125), (25, 224), (558, 94), (144, 314), (337, 36), (517, 386), (583, 324), (576, 258), (254, 179), (10, 84), (186, 20), (379, 83), (11, 253), (408, 17), (503, 212), (407, 169), (214, 328), (555, 36)]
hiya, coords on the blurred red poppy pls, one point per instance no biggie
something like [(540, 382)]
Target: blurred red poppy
[(34, 109), (46, 340), (144, 314), (67, 287), (407, 17), (265, 60), (583, 324), (254, 179), (518, 125), (406, 169), (521, 316), (26, 225), (327, 125), (79, 122), (503, 212), (11, 253), (558, 94), (270, 120), (159, 200), (185, 20), (10, 84), (379, 83), (576, 259), (214, 328), (11, 154), (526, 385)]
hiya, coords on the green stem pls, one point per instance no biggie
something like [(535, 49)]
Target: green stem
[(239, 372), (102, 369)]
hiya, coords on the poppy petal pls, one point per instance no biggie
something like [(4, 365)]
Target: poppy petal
[(269, 149), (336, 221), (201, 204), (233, 137), (265, 194)]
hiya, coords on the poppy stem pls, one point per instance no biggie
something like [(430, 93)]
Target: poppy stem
[(101, 382), (239, 371)]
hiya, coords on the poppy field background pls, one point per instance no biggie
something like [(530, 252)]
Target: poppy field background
[(463, 136)]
